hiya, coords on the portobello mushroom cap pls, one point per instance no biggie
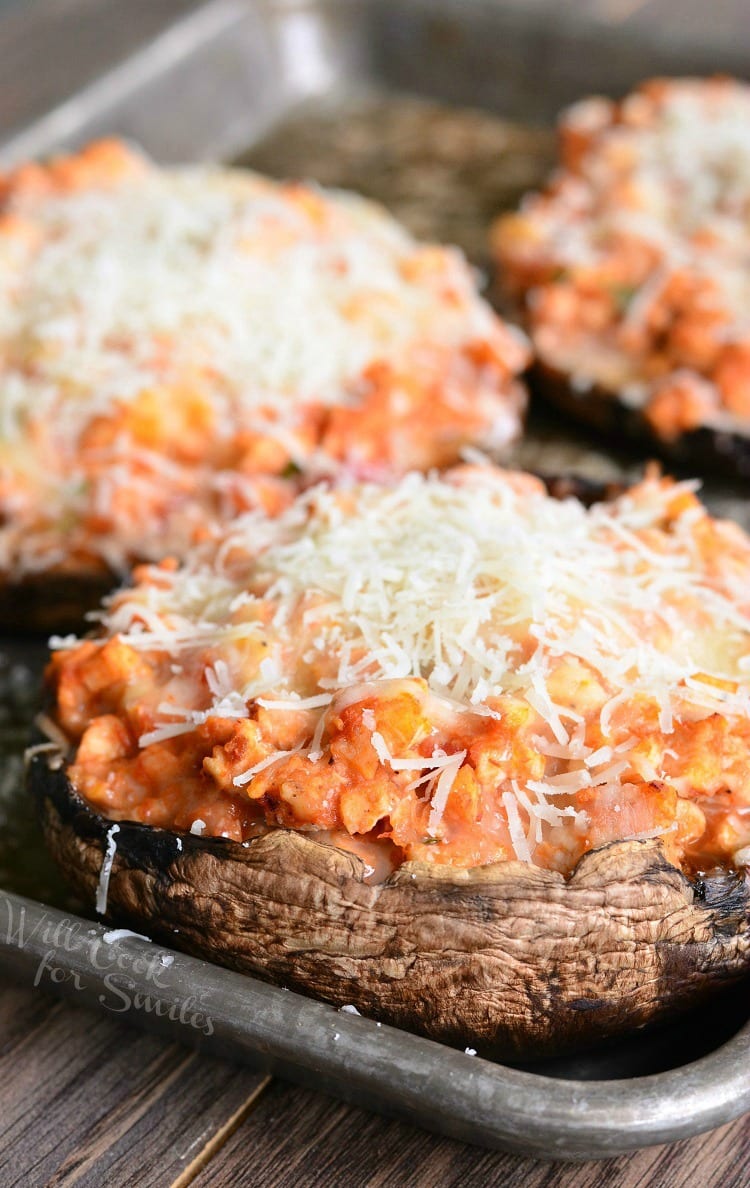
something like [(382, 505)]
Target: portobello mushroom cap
[(512, 958), (703, 449)]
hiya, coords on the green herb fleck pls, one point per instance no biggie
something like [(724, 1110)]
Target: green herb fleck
[(622, 295)]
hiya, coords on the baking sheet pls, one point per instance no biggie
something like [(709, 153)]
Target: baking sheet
[(425, 107)]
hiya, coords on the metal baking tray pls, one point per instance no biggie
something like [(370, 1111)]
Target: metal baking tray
[(441, 109)]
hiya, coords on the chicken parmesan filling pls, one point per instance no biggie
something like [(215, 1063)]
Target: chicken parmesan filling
[(456, 669), (172, 341), (633, 263)]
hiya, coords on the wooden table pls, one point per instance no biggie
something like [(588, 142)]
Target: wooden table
[(86, 1101)]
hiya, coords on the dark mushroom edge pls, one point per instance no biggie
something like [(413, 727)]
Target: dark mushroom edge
[(513, 959), (704, 449), (45, 602)]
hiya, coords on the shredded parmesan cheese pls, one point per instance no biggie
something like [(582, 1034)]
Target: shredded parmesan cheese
[(246, 776), (102, 890)]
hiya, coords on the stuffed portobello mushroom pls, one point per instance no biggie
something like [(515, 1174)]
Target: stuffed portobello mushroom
[(631, 270), (178, 343), (467, 756)]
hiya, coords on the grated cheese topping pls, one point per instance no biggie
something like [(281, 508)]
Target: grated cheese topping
[(169, 335), (554, 652), (461, 580), (110, 850)]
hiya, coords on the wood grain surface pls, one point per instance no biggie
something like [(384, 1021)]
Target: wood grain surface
[(85, 1101), (88, 1102), (303, 1138)]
